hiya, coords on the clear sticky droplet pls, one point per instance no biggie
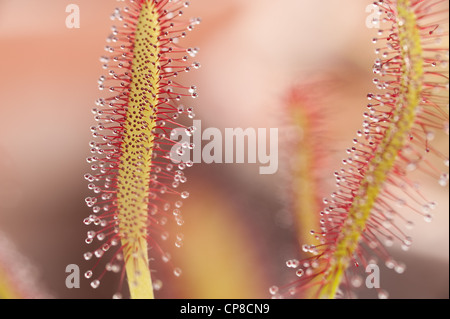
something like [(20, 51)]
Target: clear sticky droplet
[(177, 272), (383, 294), (400, 268), (87, 256), (443, 180), (157, 285), (95, 284), (273, 290), (356, 281), (184, 195), (292, 263)]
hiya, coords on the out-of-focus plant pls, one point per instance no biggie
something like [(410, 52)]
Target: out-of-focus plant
[(306, 155), (18, 277)]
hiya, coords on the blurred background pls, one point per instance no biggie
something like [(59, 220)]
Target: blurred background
[(251, 52)]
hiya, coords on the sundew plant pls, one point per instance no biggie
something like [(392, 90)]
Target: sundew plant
[(135, 181), (403, 118)]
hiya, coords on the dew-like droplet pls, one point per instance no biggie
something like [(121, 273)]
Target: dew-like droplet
[(443, 180), (389, 241), (400, 268), (157, 285), (390, 263), (176, 212), (88, 255), (115, 268), (95, 284), (428, 218), (409, 224), (273, 290), (184, 195), (99, 253), (166, 257), (292, 263), (165, 235), (356, 281), (383, 294), (177, 272), (178, 244), (407, 241)]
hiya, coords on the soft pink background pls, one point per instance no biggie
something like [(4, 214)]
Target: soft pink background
[(251, 52)]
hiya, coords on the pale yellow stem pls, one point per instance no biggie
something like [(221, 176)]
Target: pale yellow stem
[(137, 148)]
